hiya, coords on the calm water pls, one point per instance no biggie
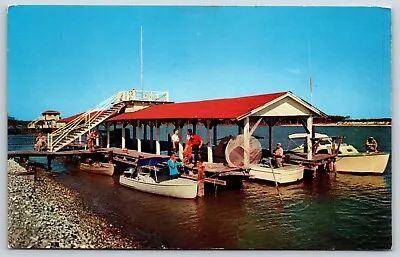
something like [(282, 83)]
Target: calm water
[(346, 212)]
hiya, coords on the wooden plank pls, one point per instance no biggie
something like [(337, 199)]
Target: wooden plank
[(208, 180)]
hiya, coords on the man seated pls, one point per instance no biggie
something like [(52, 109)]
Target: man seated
[(278, 156), (372, 145), (173, 166)]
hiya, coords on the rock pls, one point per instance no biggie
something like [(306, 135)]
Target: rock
[(45, 214)]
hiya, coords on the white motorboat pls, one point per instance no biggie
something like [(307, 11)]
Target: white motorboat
[(151, 175), (349, 159), (288, 173), (178, 188)]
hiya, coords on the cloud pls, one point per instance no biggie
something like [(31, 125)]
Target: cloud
[(293, 70)]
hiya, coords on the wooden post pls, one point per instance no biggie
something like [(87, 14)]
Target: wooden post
[(246, 143), (80, 139), (181, 141), (215, 138), (139, 142), (97, 138), (200, 179), (209, 144), (151, 126), (49, 157), (194, 127), (134, 131), (108, 134), (123, 136), (270, 139), (145, 132), (158, 146), (110, 156), (309, 144)]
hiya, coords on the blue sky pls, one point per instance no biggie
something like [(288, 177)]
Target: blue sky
[(70, 58)]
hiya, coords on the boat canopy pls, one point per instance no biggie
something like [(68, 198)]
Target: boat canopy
[(304, 135)]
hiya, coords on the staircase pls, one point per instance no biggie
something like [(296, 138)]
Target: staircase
[(83, 123)]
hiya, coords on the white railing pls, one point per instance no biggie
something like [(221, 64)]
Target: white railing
[(139, 95), (32, 124), (87, 117)]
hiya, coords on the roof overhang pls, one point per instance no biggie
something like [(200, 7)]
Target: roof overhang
[(287, 105)]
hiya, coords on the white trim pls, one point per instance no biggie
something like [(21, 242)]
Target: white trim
[(288, 94)]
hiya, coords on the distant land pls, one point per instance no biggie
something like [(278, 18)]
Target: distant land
[(16, 126)]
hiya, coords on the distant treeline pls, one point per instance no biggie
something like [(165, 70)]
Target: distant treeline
[(16, 126)]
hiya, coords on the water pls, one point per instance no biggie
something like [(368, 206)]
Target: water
[(346, 212)]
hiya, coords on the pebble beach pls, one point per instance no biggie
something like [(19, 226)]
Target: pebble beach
[(43, 214)]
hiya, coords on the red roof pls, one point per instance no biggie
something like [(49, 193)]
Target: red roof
[(68, 119), (50, 112), (227, 108)]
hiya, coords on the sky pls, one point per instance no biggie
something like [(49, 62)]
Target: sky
[(71, 58)]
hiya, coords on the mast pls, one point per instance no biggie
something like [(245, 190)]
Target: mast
[(309, 67), (141, 60)]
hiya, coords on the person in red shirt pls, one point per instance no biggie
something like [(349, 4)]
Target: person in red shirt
[(196, 142)]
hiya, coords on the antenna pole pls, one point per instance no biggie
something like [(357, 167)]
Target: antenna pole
[(141, 60), (309, 67)]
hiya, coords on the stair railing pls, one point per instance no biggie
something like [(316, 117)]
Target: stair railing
[(87, 117)]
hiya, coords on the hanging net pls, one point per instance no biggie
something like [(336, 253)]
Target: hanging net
[(234, 152)]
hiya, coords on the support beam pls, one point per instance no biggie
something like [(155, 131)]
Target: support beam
[(181, 141), (270, 141), (158, 146), (194, 127), (151, 126), (139, 141), (145, 132), (123, 136), (209, 143), (215, 138), (309, 143), (108, 134), (98, 136), (246, 142)]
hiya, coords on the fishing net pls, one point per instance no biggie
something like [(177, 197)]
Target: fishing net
[(234, 152)]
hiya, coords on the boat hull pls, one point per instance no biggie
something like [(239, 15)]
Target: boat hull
[(98, 168), (178, 188), (362, 163), (283, 175)]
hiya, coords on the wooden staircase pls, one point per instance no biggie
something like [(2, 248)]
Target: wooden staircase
[(83, 124)]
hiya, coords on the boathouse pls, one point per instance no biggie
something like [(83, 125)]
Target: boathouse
[(240, 111)]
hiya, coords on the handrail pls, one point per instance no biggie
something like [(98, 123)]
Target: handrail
[(59, 134), (34, 121)]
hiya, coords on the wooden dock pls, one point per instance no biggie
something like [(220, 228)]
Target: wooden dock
[(301, 159)]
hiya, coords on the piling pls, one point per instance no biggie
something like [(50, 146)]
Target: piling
[(200, 179)]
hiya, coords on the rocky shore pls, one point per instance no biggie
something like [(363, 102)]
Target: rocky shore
[(44, 214)]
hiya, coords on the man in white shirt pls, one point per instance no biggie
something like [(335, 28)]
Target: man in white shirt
[(175, 141)]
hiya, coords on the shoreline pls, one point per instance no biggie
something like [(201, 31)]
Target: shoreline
[(44, 214)]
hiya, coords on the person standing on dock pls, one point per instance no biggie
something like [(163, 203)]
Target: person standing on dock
[(196, 142), (173, 165), (278, 155), (175, 142), (91, 140)]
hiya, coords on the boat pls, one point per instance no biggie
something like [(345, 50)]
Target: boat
[(98, 168), (348, 159), (147, 178), (288, 173)]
